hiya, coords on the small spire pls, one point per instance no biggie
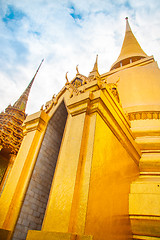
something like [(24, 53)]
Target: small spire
[(22, 101), (95, 68), (94, 73)]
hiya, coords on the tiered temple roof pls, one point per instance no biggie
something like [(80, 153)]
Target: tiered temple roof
[(11, 133)]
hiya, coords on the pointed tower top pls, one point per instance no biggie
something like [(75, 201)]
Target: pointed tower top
[(95, 68), (128, 28), (22, 101), (94, 73), (131, 50)]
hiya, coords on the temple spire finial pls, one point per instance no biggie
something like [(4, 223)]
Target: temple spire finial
[(128, 28), (94, 73), (22, 101), (95, 68)]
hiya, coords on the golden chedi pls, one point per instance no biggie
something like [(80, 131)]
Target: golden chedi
[(139, 88)]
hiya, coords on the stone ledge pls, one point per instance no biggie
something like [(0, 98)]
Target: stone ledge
[(40, 235)]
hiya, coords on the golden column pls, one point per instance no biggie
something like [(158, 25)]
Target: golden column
[(15, 188)]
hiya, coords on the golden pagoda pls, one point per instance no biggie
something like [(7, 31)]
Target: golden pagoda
[(131, 50), (88, 166), (11, 132)]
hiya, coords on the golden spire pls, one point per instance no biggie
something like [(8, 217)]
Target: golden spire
[(94, 73), (95, 68), (22, 101), (131, 50), (11, 133)]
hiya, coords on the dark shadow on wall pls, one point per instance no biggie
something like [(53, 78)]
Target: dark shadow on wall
[(35, 201)]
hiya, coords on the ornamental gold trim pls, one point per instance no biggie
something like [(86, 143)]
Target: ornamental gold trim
[(142, 115)]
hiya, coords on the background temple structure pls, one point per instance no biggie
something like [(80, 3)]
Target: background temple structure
[(11, 132), (89, 163)]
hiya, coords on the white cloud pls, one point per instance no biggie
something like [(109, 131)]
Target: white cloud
[(67, 33)]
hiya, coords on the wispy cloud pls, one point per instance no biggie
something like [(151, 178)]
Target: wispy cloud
[(66, 33)]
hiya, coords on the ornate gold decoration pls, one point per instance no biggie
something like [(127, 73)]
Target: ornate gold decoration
[(77, 69), (142, 115), (77, 82), (52, 102), (11, 133), (73, 90), (79, 79), (67, 81), (114, 91)]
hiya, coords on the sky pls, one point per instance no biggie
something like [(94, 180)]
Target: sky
[(66, 33)]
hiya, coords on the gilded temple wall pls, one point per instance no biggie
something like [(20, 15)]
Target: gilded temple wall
[(113, 169), (93, 194)]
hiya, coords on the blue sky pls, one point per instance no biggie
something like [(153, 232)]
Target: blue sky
[(66, 33)]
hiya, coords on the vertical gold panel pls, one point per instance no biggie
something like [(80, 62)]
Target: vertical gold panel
[(17, 182), (112, 172), (58, 211), (80, 200)]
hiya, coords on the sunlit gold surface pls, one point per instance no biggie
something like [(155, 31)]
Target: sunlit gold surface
[(100, 189), (15, 188), (97, 162)]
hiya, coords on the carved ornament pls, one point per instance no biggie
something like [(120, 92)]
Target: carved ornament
[(142, 115), (114, 91)]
